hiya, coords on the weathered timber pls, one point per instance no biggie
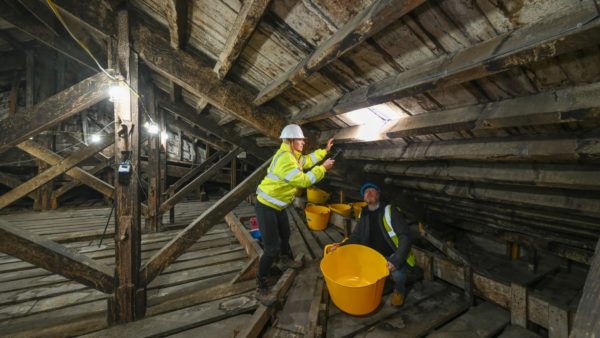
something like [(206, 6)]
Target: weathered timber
[(485, 287), (546, 148), (56, 170), (193, 173), (572, 104), (567, 176), (98, 18), (251, 246), (13, 182), (198, 133), (243, 27), (55, 258), (176, 321), (177, 19), (261, 315), (518, 305), (200, 225), (486, 319), (206, 123), (53, 110), (186, 71), (205, 176), (553, 36), (586, 322), (153, 168), (77, 173), (449, 251), (30, 26), (128, 301), (575, 104), (365, 24), (585, 203), (193, 296)]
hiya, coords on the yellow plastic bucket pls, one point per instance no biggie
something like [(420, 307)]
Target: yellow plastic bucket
[(317, 217), (355, 275), (342, 209), (316, 195), (357, 207)]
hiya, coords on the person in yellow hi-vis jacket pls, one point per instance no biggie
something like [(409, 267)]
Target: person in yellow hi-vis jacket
[(383, 228), (276, 191)]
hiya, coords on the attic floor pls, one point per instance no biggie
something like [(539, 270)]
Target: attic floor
[(34, 302)]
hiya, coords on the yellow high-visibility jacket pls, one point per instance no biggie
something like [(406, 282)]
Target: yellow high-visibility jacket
[(285, 174)]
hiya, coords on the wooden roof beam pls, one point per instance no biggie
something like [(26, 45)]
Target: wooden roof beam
[(177, 19), (543, 40), (54, 171), (586, 323), (205, 176), (53, 110), (30, 26), (364, 25), (227, 133), (573, 104), (13, 182), (243, 27), (56, 258), (188, 236), (198, 133), (585, 146), (188, 72)]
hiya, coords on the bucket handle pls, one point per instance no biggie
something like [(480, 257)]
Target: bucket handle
[(325, 253)]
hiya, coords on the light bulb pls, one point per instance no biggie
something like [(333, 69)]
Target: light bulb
[(95, 138), (152, 128), (117, 92)]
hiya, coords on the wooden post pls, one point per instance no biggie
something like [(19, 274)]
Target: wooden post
[(153, 217), (233, 172), (128, 302), (518, 305), (46, 89)]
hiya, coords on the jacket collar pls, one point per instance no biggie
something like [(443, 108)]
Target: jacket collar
[(286, 147)]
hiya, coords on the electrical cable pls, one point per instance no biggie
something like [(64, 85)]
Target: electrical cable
[(60, 18)]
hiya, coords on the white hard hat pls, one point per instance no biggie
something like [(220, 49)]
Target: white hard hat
[(292, 131)]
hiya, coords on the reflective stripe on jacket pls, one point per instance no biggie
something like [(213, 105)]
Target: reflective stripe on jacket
[(411, 260), (285, 174)]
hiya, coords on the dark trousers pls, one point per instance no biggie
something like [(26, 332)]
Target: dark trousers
[(275, 231)]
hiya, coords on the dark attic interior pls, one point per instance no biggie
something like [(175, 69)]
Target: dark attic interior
[(134, 135)]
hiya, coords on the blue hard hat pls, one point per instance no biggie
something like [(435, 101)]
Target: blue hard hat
[(368, 185)]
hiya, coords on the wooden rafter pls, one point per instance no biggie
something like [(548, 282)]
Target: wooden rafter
[(53, 110), (75, 183), (30, 26), (574, 104), (364, 25), (198, 133), (186, 71), (205, 176), (193, 173), (13, 182), (85, 177), (537, 42), (243, 27), (56, 258), (226, 133), (56, 170), (177, 19), (560, 148), (188, 236)]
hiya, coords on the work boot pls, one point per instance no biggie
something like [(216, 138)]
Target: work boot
[(397, 299), (285, 262), (264, 293)]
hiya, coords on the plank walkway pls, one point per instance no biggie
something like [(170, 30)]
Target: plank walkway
[(196, 295), (35, 302)]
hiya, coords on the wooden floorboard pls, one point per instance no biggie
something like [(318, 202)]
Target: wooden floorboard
[(35, 302), (482, 321)]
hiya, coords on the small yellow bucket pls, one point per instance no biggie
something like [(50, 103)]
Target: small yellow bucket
[(355, 275), (357, 207), (316, 195), (342, 209), (317, 217)]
